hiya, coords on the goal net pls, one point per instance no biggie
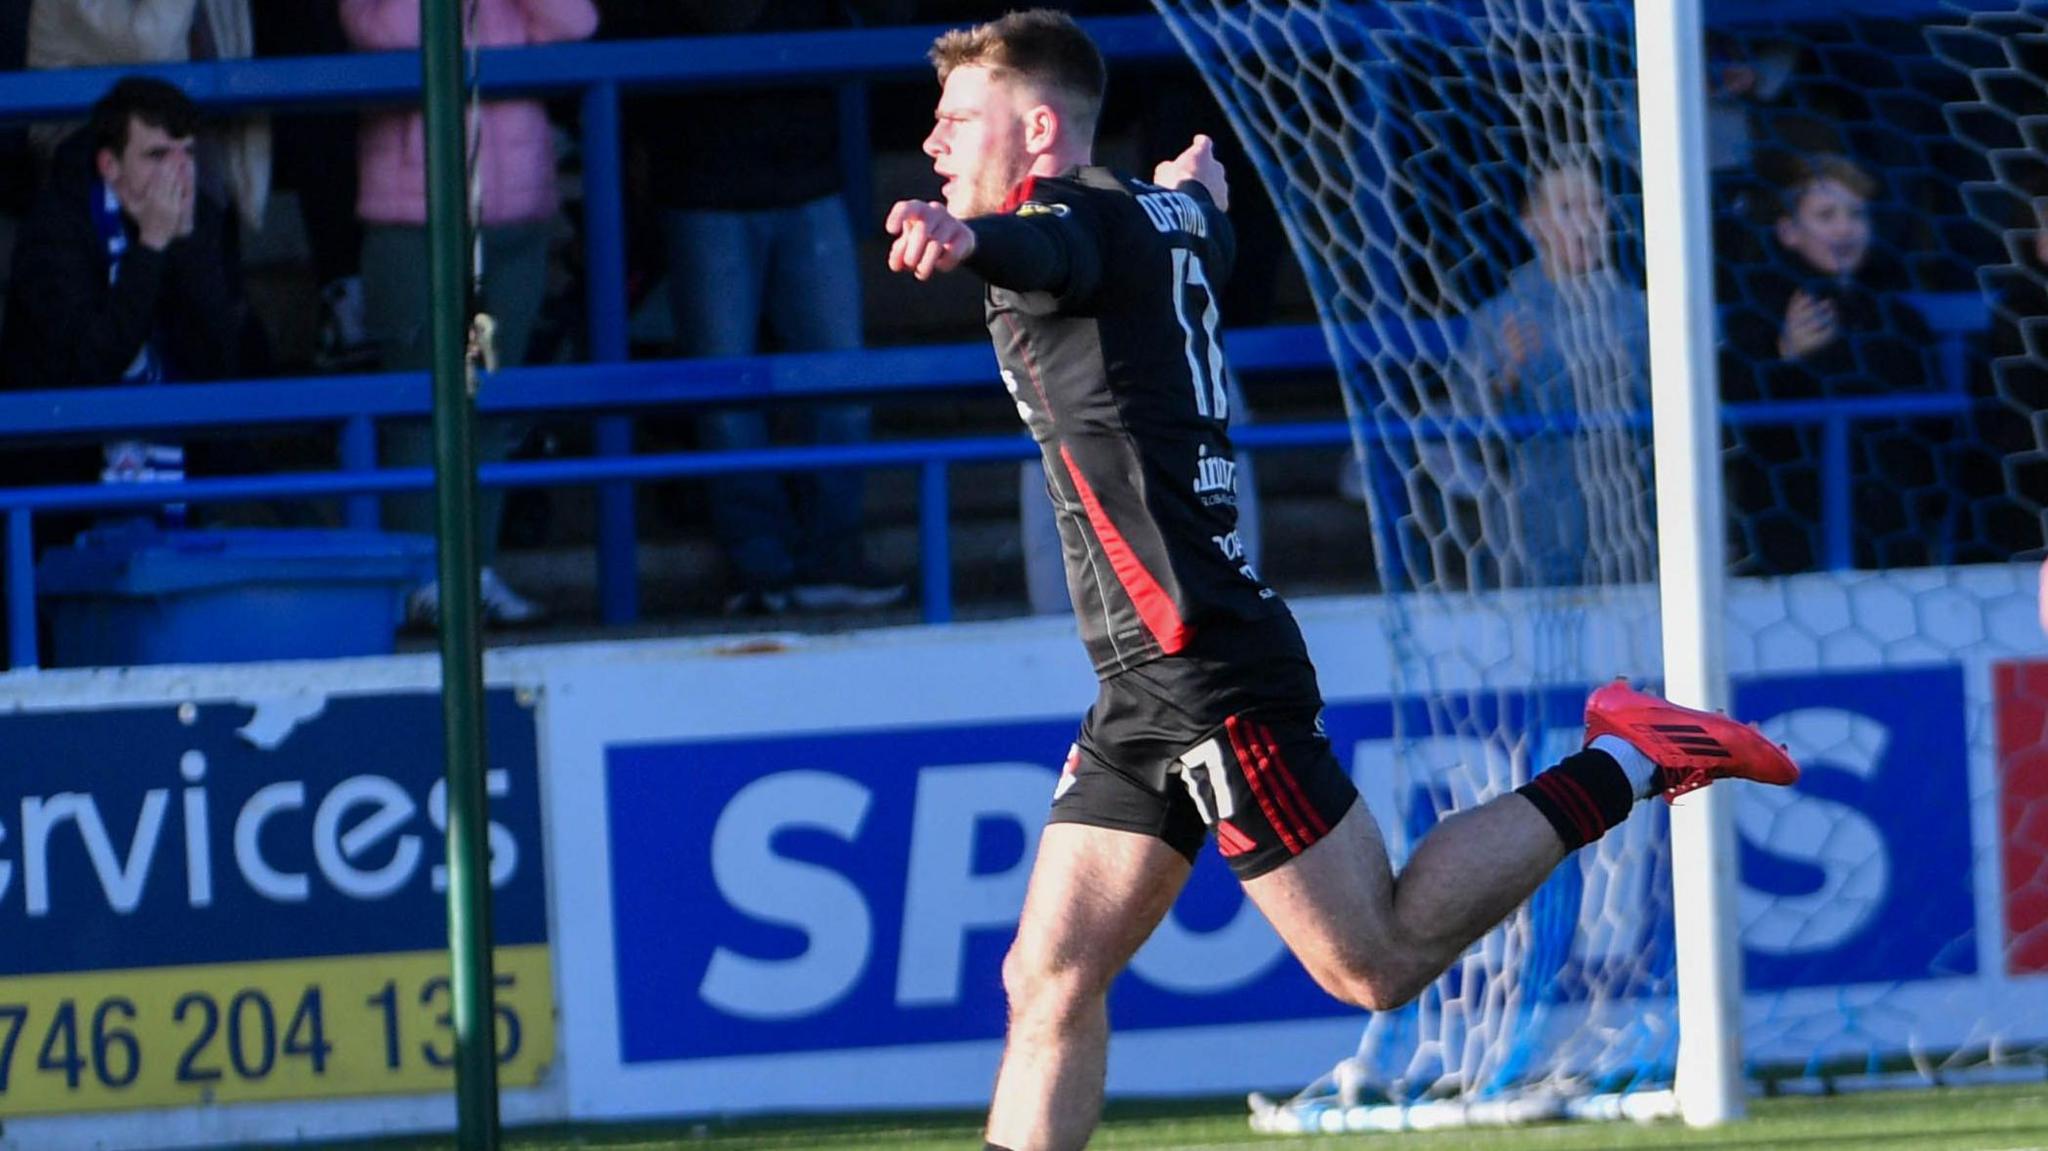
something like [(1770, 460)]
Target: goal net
[(1460, 180)]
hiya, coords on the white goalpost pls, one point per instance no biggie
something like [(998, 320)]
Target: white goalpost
[(1692, 550)]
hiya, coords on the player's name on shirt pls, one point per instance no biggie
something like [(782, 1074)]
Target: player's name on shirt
[(1174, 212)]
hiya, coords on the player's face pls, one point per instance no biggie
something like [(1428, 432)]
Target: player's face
[(977, 143), (1831, 229), (1568, 221)]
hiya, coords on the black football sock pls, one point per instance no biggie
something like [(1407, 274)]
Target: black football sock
[(1583, 797)]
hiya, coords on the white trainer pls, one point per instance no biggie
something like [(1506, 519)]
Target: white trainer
[(497, 603)]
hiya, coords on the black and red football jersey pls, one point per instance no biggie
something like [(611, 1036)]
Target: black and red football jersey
[(1102, 302)]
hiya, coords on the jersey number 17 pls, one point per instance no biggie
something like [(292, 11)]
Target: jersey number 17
[(1204, 350)]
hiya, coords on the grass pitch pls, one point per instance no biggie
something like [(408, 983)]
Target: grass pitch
[(1952, 1119)]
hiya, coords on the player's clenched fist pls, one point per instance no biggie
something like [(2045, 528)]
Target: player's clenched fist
[(1196, 162), (928, 238)]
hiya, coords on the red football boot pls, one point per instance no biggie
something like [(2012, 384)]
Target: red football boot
[(1690, 748)]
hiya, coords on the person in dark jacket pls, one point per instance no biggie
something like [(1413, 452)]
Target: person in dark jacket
[(1826, 318), (120, 278)]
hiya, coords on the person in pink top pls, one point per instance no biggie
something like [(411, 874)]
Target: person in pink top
[(515, 165)]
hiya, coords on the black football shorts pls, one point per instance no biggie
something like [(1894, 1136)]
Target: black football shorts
[(1225, 737)]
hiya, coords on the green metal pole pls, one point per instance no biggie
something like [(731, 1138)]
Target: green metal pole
[(462, 677)]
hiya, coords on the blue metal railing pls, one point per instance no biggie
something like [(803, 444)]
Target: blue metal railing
[(355, 402), (932, 458), (609, 387)]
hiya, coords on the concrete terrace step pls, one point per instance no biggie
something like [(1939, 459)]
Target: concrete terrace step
[(1312, 545)]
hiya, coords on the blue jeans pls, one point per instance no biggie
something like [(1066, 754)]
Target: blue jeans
[(795, 269)]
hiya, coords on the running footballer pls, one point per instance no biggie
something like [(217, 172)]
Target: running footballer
[(1102, 303)]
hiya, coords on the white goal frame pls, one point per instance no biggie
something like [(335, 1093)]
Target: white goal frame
[(1692, 547)]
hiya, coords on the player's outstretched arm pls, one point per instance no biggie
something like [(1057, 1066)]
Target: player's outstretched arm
[(928, 238), (1196, 162), (1047, 250)]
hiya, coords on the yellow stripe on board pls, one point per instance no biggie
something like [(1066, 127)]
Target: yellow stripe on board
[(291, 1029)]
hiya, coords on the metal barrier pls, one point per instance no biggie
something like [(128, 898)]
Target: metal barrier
[(931, 458), (356, 402)]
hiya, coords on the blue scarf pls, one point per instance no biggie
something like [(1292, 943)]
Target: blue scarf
[(135, 461), (148, 367)]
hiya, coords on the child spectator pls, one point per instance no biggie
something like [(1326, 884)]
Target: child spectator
[(1825, 317)]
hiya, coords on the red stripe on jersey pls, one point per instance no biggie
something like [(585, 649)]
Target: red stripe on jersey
[(1271, 747), (1154, 606), (1247, 763), (1230, 841), (1019, 194)]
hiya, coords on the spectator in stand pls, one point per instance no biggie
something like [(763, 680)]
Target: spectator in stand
[(120, 276), (515, 165), (1742, 75), (747, 184), (1746, 79), (1826, 318), (234, 163), (315, 152), (1567, 340), (233, 156)]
